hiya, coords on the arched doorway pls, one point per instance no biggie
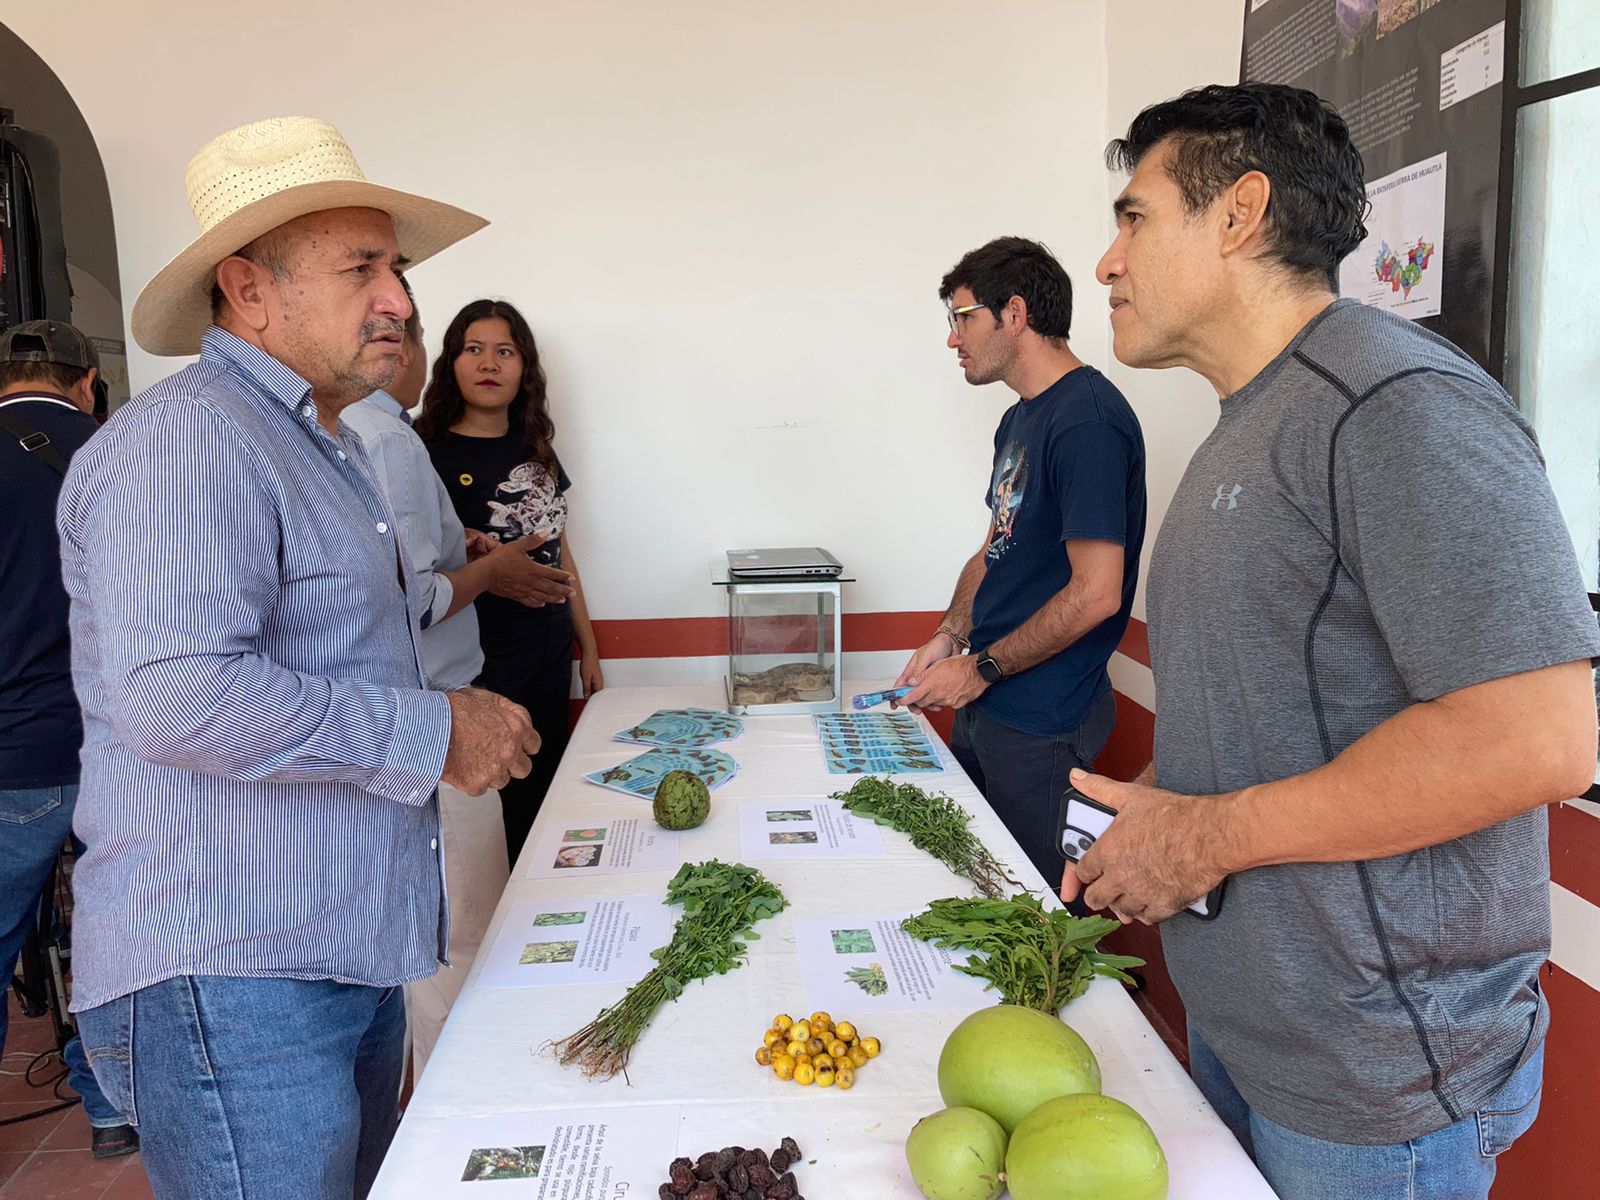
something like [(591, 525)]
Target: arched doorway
[(58, 245)]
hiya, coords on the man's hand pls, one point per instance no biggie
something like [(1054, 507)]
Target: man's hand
[(479, 543), (936, 649), (948, 683), (1164, 851), (939, 646), (491, 741), (517, 577)]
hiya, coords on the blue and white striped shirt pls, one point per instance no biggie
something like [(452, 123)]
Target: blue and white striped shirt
[(259, 759)]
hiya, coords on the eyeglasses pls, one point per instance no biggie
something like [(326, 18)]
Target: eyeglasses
[(965, 310)]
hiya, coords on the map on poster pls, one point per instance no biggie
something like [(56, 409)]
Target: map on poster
[(1401, 264)]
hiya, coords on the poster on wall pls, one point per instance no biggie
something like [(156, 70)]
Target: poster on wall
[(1419, 83)]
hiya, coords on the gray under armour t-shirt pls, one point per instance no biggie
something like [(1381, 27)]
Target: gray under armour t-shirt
[(1368, 526)]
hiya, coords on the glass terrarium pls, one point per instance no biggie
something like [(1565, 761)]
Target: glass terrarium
[(783, 643)]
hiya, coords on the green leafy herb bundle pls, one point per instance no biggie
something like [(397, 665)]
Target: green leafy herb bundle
[(1036, 957), (721, 904), (936, 824)]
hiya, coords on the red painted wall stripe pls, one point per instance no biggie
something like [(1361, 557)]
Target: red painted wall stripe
[(664, 637), (1559, 1158), (1575, 851), (1136, 642), (1128, 750), (700, 637), (888, 630)]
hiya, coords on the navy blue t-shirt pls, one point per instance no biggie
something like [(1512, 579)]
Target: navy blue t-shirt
[(1068, 465), (41, 729)]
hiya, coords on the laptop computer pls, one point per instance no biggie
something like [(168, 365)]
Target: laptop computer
[(784, 561)]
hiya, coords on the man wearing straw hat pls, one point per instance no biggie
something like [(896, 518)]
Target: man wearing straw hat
[(260, 757)]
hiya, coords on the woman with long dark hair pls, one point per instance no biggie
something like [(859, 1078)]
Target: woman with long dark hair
[(486, 422)]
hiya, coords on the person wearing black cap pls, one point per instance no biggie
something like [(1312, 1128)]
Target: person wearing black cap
[(49, 387)]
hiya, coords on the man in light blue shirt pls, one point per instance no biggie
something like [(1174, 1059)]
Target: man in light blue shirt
[(445, 585), (260, 753)]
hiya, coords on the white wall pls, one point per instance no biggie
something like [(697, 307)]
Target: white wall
[(1198, 43), (726, 222)]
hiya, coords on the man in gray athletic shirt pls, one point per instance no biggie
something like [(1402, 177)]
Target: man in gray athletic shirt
[(1372, 654)]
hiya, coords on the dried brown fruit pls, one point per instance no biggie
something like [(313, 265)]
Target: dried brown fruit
[(682, 1172), (738, 1178), (790, 1145), (704, 1191), (761, 1177), (780, 1161)]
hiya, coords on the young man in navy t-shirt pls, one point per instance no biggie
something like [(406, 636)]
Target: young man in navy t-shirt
[(49, 387), (1045, 600)]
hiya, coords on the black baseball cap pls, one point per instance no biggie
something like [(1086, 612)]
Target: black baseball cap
[(48, 342)]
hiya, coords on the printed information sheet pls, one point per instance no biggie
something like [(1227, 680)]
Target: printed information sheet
[(682, 727), (805, 829), (562, 1155), (1472, 67), (868, 964), (613, 845), (874, 743), (546, 942)]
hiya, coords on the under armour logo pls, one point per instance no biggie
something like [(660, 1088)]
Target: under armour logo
[(1231, 496)]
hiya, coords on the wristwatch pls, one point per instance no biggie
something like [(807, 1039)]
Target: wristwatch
[(988, 668)]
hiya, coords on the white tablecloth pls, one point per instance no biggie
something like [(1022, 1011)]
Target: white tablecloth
[(696, 1054)]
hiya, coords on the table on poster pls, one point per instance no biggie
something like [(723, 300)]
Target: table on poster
[(495, 1107)]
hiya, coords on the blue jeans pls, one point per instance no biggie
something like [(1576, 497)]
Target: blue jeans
[(275, 1089), (34, 822), (1022, 775), (1455, 1163)]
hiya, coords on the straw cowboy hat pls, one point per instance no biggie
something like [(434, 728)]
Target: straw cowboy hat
[(253, 179)]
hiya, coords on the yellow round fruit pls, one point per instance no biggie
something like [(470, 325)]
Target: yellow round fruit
[(872, 1046), (825, 1078), (783, 1067), (795, 1049), (770, 1036), (802, 1057), (764, 1056), (800, 1032), (845, 1078), (846, 1031), (822, 1060), (816, 1046), (858, 1057), (805, 1073), (822, 1019), (837, 1048), (782, 1022)]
